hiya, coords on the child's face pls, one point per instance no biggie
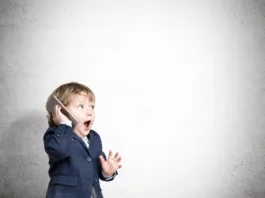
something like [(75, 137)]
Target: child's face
[(83, 109)]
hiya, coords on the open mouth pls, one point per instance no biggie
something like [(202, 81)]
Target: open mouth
[(87, 123)]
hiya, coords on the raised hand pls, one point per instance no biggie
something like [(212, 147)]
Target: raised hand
[(111, 165)]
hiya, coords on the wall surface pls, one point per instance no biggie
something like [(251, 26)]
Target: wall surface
[(179, 87)]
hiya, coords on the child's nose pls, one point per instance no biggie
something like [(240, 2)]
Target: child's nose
[(89, 111)]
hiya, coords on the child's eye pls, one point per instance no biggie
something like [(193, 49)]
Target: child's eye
[(81, 106)]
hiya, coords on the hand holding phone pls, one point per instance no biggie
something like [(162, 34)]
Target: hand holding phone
[(58, 116), (52, 102)]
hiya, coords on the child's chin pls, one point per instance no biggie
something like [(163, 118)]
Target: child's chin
[(85, 132)]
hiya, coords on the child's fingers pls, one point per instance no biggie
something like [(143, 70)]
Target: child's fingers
[(59, 112), (116, 156), (102, 160), (56, 110), (119, 159), (110, 154)]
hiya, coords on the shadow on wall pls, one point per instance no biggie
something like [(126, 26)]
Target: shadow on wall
[(23, 162)]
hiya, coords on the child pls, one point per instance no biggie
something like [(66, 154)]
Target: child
[(77, 162)]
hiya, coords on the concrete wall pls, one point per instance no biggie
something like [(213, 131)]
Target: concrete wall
[(179, 87)]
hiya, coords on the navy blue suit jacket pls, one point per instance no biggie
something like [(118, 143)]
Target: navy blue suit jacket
[(74, 168)]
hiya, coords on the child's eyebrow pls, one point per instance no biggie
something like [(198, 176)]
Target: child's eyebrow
[(83, 101)]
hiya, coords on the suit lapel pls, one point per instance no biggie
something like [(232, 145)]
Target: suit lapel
[(82, 143)]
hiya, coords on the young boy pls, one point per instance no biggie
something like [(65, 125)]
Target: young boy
[(77, 162)]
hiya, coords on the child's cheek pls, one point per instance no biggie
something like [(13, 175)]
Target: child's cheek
[(78, 127)]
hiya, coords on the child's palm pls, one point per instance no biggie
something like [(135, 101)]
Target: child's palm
[(111, 165)]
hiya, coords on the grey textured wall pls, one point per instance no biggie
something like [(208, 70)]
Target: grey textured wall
[(193, 70)]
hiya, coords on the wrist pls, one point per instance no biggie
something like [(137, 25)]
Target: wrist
[(108, 174), (66, 122)]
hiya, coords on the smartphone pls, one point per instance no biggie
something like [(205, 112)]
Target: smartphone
[(55, 101)]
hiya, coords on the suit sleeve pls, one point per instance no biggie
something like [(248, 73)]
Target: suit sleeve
[(57, 142), (102, 175)]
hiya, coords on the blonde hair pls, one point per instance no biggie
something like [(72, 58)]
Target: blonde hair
[(64, 93)]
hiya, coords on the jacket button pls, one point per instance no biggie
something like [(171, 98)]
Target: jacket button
[(95, 179), (88, 159)]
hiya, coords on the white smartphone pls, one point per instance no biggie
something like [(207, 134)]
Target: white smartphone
[(55, 101)]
